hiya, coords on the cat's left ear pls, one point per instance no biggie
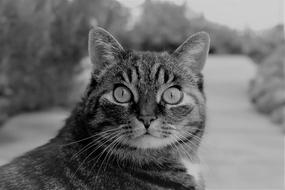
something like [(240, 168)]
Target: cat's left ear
[(103, 48), (194, 51)]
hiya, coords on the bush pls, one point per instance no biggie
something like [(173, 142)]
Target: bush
[(164, 26), (42, 43), (267, 90), (259, 47)]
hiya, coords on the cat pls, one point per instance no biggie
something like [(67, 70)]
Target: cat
[(137, 126)]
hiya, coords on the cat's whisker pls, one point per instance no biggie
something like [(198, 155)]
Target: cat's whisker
[(201, 160), (94, 151), (109, 153), (191, 147), (78, 141), (198, 139), (115, 146), (173, 144), (193, 138), (185, 151), (102, 153), (90, 155), (200, 148), (112, 138), (90, 145), (89, 137), (188, 133), (102, 135)]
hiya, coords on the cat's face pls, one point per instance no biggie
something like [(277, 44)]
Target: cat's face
[(145, 100)]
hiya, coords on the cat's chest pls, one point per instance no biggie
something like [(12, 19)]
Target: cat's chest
[(193, 169)]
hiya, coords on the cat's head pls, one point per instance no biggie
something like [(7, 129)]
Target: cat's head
[(146, 100)]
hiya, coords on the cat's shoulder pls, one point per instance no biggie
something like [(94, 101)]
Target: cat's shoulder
[(31, 168)]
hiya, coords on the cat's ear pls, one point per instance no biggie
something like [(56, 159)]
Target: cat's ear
[(103, 48), (194, 51)]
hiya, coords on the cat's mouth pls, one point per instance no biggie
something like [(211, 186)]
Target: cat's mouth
[(146, 133), (149, 140)]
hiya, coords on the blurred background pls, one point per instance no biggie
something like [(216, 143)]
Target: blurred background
[(44, 68)]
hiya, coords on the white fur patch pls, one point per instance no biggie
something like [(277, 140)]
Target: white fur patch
[(192, 169), (149, 142)]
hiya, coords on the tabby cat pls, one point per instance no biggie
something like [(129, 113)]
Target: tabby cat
[(138, 125)]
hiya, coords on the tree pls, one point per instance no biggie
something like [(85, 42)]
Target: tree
[(42, 43)]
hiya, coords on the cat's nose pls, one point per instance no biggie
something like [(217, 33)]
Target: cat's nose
[(146, 120)]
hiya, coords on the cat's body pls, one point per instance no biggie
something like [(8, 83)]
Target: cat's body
[(137, 127), (49, 168)]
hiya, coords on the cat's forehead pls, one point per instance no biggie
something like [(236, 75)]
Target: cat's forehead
[(151, 65), (147, 70), (148, 60)]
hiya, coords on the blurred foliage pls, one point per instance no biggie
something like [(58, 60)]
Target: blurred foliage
[(164, 26), (260, 46), (43, 41), (267, 90)]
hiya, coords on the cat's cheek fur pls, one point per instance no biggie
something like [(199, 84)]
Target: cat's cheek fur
[(119, 113), (188, 110), (137, 128)]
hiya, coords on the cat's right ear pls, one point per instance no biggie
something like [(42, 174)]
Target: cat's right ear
[(193, 52), (103, 48)]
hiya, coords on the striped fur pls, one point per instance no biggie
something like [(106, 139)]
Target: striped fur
[(106, 145)]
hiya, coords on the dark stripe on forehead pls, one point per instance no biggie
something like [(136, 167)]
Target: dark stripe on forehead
[(135, 74), (166, 76), (161, 75), (139, 68), (157, 71), (131, 75), (136, 67)]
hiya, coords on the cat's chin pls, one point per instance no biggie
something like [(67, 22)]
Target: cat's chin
[(148, 141)]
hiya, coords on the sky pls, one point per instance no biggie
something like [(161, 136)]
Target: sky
[(237, 14)]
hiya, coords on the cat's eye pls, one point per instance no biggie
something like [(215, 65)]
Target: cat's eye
[(122, 94), (172, 96)]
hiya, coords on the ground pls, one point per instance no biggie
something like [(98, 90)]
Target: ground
[(241, 150)]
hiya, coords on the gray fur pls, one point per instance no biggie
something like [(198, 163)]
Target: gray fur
[(94, 149)]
